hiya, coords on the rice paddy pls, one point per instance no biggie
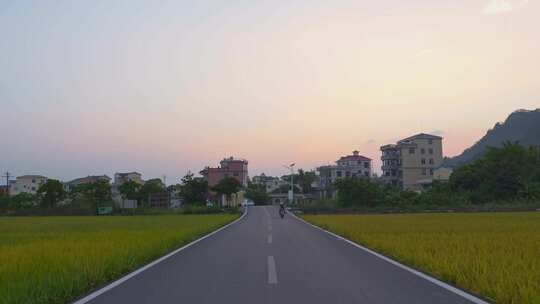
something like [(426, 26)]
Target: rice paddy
[(494, 255), (56, 259)]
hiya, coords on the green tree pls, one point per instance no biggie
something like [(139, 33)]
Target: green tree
[(50, 193), (93, 194), (501, 174), (19, 201), (257, 193), (193, 190), (227, 187), (150, 187), (358, 191), (302, 180), (130, 190)]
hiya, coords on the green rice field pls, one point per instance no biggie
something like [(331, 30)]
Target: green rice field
[(56, 259), (494, 255)]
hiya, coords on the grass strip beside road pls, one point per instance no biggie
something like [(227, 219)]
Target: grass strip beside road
[(56, 259), (495, 255)]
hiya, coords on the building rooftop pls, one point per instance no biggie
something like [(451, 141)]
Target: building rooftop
[(78, 180), (119, 173), (354, 156), (421, 136), (31, 176)]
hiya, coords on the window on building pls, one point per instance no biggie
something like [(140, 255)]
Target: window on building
[(338, 173), (424, 171), (226, 174), (430, 141), (347, 174), (411, 150), (394, 172), (366, 174), (400, 173), (236, 174), (387, 173), (431, 172), (359, 163), (422, 151), (366, 165), (33, 188), (431, 161), (33, 181), (430, 151), (423, 161)]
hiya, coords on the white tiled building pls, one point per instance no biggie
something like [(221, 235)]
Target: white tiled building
[(354, 165), (27, 184)]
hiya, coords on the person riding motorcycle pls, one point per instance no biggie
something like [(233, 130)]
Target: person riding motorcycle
[(281, 209)]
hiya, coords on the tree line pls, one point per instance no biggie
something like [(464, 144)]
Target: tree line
[(51, 194)]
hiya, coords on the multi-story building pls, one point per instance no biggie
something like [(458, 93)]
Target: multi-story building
[(354, 165), (85, 180), (120, 178), (411, 162), (229, 167), (27, 184)]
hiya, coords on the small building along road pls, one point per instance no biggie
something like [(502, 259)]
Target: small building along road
[(265, 259)]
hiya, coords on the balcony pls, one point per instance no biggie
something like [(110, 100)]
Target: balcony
[(389, 167), (390, 156)]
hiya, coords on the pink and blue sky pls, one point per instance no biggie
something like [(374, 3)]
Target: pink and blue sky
[(93, 87)]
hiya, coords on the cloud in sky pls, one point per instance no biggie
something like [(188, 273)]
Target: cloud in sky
[(502, 6), (371, 141)]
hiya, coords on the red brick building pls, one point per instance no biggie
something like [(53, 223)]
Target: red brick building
[(229, 167)]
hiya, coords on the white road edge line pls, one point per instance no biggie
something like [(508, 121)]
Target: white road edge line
[(130, 275), (272, 274), (433, 280)]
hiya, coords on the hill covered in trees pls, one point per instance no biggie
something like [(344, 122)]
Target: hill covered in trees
[(521, 126)]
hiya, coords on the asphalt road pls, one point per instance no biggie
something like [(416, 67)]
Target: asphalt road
[(266, 259)]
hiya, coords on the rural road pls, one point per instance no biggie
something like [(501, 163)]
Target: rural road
[(266, 259)]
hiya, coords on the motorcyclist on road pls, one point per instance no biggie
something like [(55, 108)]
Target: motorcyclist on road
[(282, 209)]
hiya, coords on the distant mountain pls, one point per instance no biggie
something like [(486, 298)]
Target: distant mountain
[(522, 126)]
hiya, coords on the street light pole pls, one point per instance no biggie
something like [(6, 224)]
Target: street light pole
[(291, 167)]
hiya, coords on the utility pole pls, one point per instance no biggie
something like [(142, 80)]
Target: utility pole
[(7, 176)]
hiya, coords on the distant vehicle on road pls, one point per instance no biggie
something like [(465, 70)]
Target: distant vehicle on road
[(282, 210), (249, 203)]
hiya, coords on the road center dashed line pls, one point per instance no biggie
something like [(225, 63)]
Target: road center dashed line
[(269, 239), (272, 274)]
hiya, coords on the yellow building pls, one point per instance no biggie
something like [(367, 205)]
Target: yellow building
[(411, 162)]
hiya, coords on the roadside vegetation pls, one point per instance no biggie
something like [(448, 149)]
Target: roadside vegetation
[(85, 199), (56, 259), (495, 255), (506, 178)]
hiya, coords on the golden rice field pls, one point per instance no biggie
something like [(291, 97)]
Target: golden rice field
[(56, 259), (495, 255)]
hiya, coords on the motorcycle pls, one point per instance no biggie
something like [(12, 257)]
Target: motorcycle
[(282, 212)]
